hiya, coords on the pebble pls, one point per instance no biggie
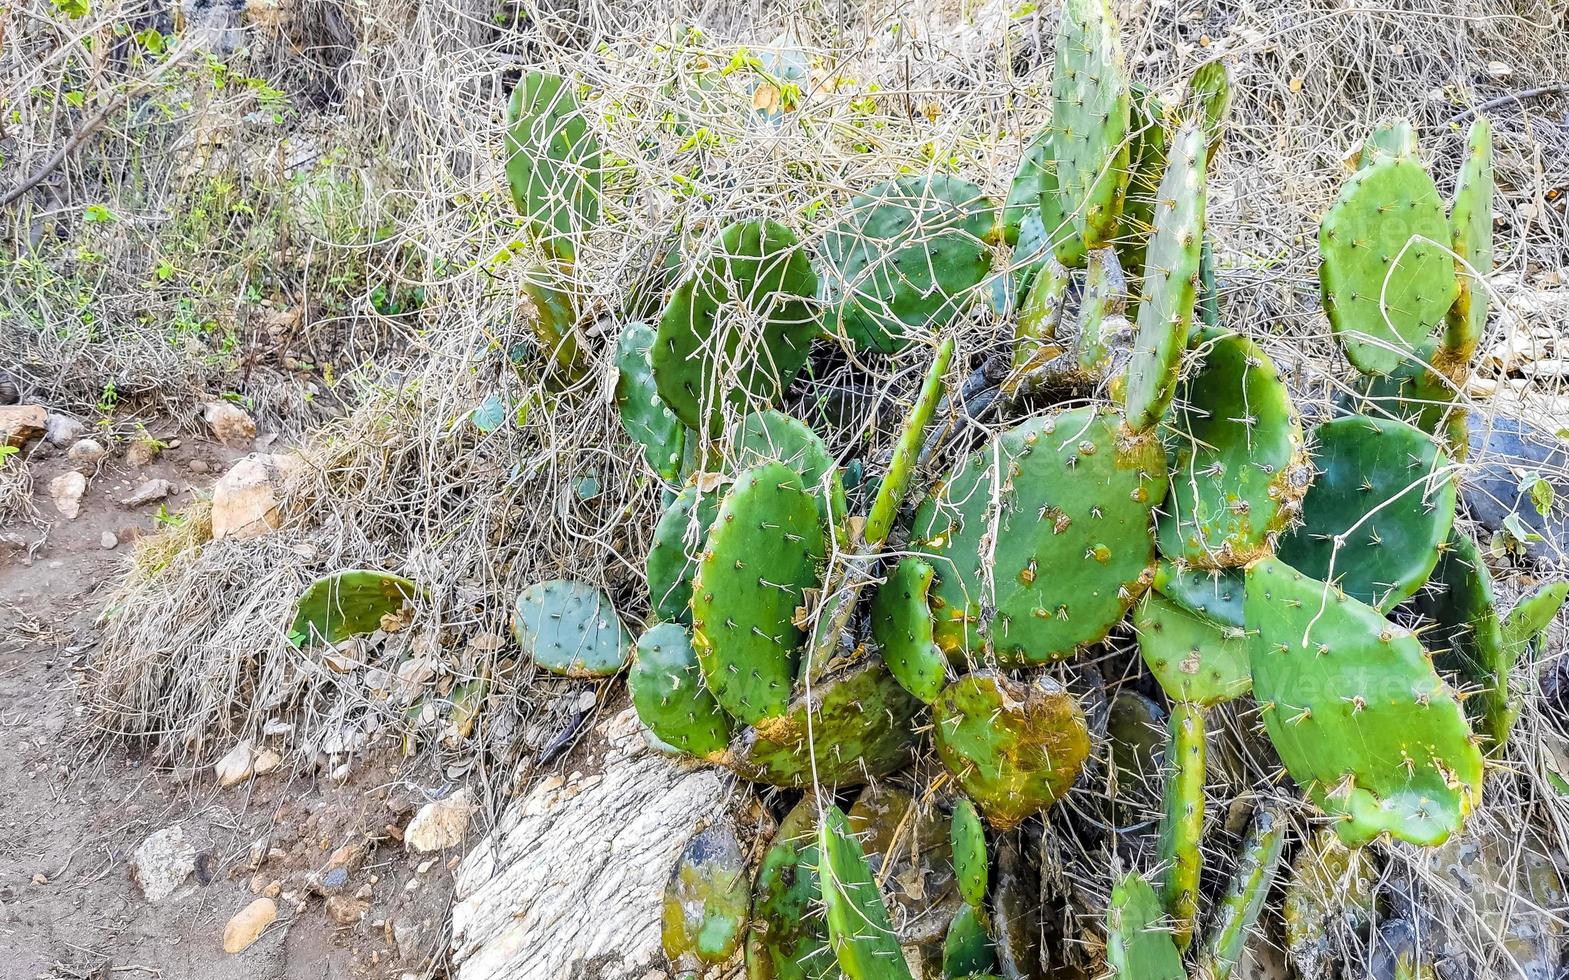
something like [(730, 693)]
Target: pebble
[(230, 423), (346, 911), (108, 540), (86, 453), (66, 490), (236, 767), (162, 862), (62, 430), (248, 924), (197, 466), (439, 825), (149, 492)]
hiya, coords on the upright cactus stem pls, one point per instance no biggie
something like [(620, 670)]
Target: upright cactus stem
[(1182, 827), (1471, 230), (1138, 945), (859, 929), (1091, 114), (1227, 937)]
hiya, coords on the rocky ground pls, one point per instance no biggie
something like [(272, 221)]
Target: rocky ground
[(113, 866)]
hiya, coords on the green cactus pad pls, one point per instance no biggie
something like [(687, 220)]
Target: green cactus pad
[(1391, 139), (1170, 283), (679, 538), (1194, 659), (1040, 315), (788, 939), (1182, 821), (772, 435), (706, 900), (1146, 167), (1383, 489), (859, 931), (553, 163), (764, 552), (1014, 747), (739, 330), (668, 692), (906, 260), (1208, 99), (1136, 731), (570, 628), (1226, 939), (968, 839), (1239, 467), (1471, 234), (860, 728), (1468, 637), (648, 421), (552, 316), (1091, 110), (1213, 594), (345, 604), (1386, 274), (1359, 716), (1102, 312), (1057, 552), (1035, 176), (1530, 617), (1419, 396), (1138, 945), (902, 625), (967, 951)]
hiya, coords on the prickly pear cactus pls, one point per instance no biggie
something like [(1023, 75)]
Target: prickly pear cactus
[(906, 260), (1226, 939), (1015, 747), (1138, 945), (1239, 467), (679, 538), (1041, 539), (1208, 99), (669, 694), (1091, 110), (1427, 399), (788, 939), (1458, 600), (552, 315), (967, 950), (1331, 895), (1034, 189), (570, 628), (1530, 617), (902, 625), (1391, 139), (1212, 594), (348, 603), (1103, 324), (1195, 659), (1378, 511), (1471, 234), (1170, 284), (739, 330), (1386, 274), (553, 163), (772, 435), (968, 839), (1182, 825), (1040, 316), (1353, 705), (859, 931), (648, 421), (706, 900), (1146, 167)]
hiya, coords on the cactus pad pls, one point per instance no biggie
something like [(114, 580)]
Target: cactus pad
[(764, 552), (855, 725), (771, 435), (1386, 274), (553, 163), (906, 260), (1471, 234), (570, 628), (1170, 283), (1146, 167), (1468, 637), (1182, 821), (788, 939), (668, 692), (678, 544), (1530, 617), (1091, 110), (1212, 594), (968, 839), (346, 604), (706, 900), (552, 316), (1359, 716), (1138, 944), (1054, 555), (1378, 511), (648, 421), (1392, 138), (1239, 464), (1195, 660), (1237, 911), (907, 845), (859, 931), (967, 951), (1014, 747), (902, 624), (1424, 398), (1208, 99), (1102, 314), (740, 329)]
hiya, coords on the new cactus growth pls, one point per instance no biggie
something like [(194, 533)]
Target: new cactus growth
[(764, 551), (907, 259), (968, 840), (1239, 467), (739, 330), (1458, 600), (1042, 539), (1471, 235), (1208, 99), (670, 696), (1227, 937), (706, 900), (1378, 511), (1391, 139), (1091, 113), (902, 625), (1138, 944), (345, 604), (678, 545), (788, 940), (570, 628), (1015, 747), (967, 950), (1386, 274), (1353, 705), (648, 421), (859, 931), (1527, 622), (553, 163)]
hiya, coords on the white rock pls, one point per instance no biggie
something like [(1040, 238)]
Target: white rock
[(230, 423), (266, 761), (66, 491), (149, 492), (86, 453), (248, 923), (439, 825), (247, 500), (108, 541), (62, 430), (162, 862), (237, 766)]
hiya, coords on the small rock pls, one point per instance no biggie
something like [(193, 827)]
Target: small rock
[(266, 761), (143, 452), (274, 889), (441, 824), (230, 423), (206, 868), (197, 466), (108, 541), (340, 774), (346, 911), (62, 430), (330, 882), (150, 492), (247, 500), (162, 862), (40, 879), (86, 454), (237, 766), (20, 424), (248, 924), (66, 491)]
